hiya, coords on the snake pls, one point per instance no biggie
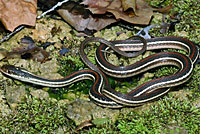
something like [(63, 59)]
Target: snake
[(101, 92), (156, 87)]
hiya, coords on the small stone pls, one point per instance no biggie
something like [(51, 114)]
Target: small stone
[(81, 110), (64, 102), (134, 60), (4, 108), (157, 18), (98, 34), (60, 130), (122, 36), (181, 94), (138, 109), (109, 35), (15, 94), (175, 129), (196, 103), (40, 94)]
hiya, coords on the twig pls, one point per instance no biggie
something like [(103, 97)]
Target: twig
[(38, 17)]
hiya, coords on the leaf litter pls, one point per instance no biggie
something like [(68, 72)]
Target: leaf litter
[(14, 13)]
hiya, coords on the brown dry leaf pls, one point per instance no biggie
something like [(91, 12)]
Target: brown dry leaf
[(26, 51), (103, 6), (17, 12), (86, 123), (129, 6), (80, 18), (143, 11), (126, 4)]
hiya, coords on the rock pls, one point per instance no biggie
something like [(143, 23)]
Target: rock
[(4, 108), (41, 94), (81, 110), (181, 94), (69, 96), (174, 129), (50, 30), (60, 130), (139, 109), (109, 35), (122, 36), (15, 94), (47, 70), (157, 18)]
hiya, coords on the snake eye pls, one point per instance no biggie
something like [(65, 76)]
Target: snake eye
[(9, 71)]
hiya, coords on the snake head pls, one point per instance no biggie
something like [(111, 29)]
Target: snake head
[(8, 69), (11, 70)]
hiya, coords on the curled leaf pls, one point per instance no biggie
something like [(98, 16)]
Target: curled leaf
[(126, 4), (81, 19), (17, 12), (84, 124), (142, 10)]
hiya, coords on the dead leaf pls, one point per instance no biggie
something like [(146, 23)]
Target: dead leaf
[(126, 4), (143, 11), (103, 6), (84, 124), (3, 53), (17, 12), (81, 18), (27, 51)]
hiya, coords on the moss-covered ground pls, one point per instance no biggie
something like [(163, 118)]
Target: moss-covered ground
[(170, 114)]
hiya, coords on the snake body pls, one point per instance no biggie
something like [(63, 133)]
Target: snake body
[(101, 92)]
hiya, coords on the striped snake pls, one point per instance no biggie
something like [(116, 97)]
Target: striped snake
[(101, 92)]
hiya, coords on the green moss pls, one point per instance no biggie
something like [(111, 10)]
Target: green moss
[(156, 120), (36, 116), (68, 65), (189, 18), (194, 83), (45, 116), (170, 115), (168, 112)]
